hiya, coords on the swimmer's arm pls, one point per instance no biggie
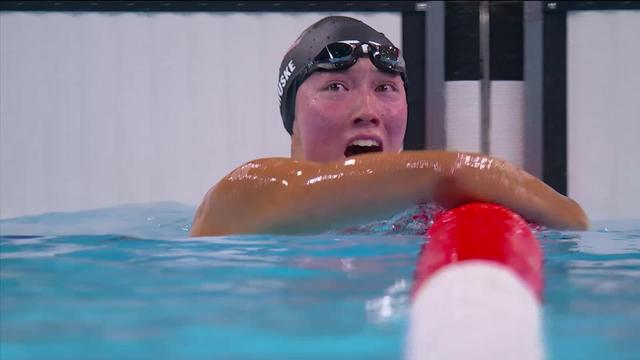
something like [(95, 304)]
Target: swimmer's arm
[(279, 195)]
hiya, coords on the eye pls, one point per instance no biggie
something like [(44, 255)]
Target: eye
[(386, 88), (335, 86)]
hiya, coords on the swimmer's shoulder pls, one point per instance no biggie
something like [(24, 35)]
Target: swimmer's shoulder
[(245, 190), (260, 163), (278, 167)]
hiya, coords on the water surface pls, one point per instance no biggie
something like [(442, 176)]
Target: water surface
[(127, 282)]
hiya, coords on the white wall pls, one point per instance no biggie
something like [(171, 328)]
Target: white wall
[(103, 109), (603, 112), (463, 118)]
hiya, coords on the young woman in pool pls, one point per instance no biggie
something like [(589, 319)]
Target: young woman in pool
[(343, 84)]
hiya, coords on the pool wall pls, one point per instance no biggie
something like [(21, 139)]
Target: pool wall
[(603, 112)]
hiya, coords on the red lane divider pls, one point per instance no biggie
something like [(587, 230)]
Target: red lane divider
[(478, 287), (482, 231)]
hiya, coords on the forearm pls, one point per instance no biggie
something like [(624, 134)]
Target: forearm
[(481, 178), (357, 190), (285, 196), (382, 184)]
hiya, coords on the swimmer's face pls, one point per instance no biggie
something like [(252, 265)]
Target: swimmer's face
[(345, 113)]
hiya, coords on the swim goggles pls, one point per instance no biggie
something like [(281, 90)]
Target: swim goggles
[(344, 54)]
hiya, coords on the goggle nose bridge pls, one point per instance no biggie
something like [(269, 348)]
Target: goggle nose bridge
[(364, 46)]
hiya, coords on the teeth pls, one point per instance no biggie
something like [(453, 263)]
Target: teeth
[(363, 142)]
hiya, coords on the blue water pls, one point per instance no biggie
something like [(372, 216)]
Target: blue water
[(127, 282)]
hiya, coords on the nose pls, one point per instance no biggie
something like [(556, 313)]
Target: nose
[(365, 111)]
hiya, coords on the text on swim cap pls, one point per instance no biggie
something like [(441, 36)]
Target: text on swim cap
[(284, 77)]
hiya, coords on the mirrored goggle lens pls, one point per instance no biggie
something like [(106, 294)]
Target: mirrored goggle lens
[(388, 56), (336, 53)]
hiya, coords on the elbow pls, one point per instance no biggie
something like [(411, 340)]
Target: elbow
[(579, 221)]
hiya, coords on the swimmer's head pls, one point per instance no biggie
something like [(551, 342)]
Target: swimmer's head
[(334, 43)]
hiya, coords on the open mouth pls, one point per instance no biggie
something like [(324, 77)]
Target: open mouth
[(362, 146)]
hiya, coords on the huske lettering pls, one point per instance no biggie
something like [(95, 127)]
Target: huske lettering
[(286, 73)]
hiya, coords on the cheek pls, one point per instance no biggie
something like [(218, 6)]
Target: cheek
[(320, 131), (319, 121), (396, 122)]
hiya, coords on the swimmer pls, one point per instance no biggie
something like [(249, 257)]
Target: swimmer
[(343, 100)]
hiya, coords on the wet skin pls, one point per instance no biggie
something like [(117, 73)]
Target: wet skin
[(280, 195)]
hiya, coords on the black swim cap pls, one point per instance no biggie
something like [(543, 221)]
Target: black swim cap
[(308, 45)]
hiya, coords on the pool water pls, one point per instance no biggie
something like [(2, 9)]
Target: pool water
[(127, 282)]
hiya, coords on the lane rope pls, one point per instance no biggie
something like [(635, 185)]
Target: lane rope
[(478, 288)]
